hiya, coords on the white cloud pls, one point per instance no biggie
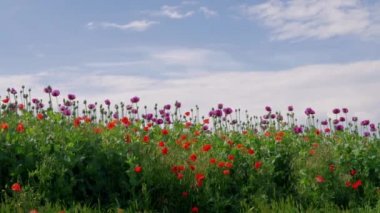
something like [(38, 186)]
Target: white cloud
[(137, 25), (321, 19), (322, 87), (208, 12), (174, 12)]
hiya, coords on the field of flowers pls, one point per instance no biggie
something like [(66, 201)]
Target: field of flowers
[(67, 155)]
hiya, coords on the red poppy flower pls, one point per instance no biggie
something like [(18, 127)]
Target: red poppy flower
[(229, 165), (226, 172), (146, 138), (125, 121), (21, 106), (356, 184), (348, 183), (206, 147), (200, 176), (221, 164), (206, 121), (4, 126), (20, 127), (16, 187), (187, 113), (212, 160), (186, 145), (146, 128), (179, 176), (138, 169), (332, 167), (231, 157), (312, 152), (6, 100), (161, 144), (164, 150), (33, 211), (319, 179), (193, 157), (165, 131), (185, 194), (194, 209), (111, 125), (251, 151), (352, 172), (192, 167), (327, 130), (40, 116), (258, 164)]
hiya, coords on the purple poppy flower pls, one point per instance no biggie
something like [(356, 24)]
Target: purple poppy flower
[(227, 111), (71, 97), (161, 111), (205, 127), (66, 112), (135, 99), (367, 134), (268, 109), (309, 111), (365, 123), (40, 106), (177, 104), (48, 89), (273, 116), (220, 106), (107, 102), (211, 113), (336, 111), (91, 106), (129, 107), (218, 113), (167, 107), (345, 110), (339, 127), (335, 121), (35, 101), (55, 93), (342, 119), (13, 91), (290, 108), (354, 119), (149, 116), (324, 123), (116, 115), (266, 116), (372, 125), (67, 103), (159, 121), (135, 111), (297, 130)]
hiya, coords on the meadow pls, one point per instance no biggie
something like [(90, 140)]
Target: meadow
[(70, 155)]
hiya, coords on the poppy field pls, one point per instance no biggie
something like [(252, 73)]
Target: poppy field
[(71, 155)]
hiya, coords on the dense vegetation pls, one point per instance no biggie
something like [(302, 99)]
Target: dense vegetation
[(80, 157)]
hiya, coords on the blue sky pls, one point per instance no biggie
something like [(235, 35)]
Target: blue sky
[(48, 42)]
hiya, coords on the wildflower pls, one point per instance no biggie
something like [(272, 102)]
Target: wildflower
[(111, 125), (165, 131), (354, 119), (161, 144), (319, 179), (194, 209), (186, 145), (206, 147), (212, 160), (221, 164), (353, 172), (20, 127), (40, 116), (348, 184), (365, 123), (324, 123), (138, 169), (21, 106), (71, 97), (251, 151), (185, 194), (48, 89), (309, 111), (268, 109), (107, 102), (164, 150), (4, 126), (206, 121), (16, 187), (179, 176), (336, 111), (227, 111), (177, 104), (33, 211), (290, 108), (146, 138), (6, 100), (339, 128), (356, 185), (193, 157), (332, 167), (229, 165), (55, 93), (187, 114), (226, 172), (231, 157), (258, 164), (135, 99), (312, 152)]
